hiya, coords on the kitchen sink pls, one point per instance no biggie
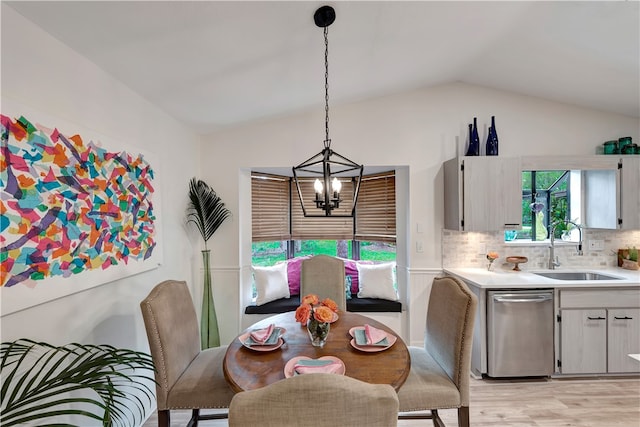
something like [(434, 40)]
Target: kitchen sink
[(575, 275)]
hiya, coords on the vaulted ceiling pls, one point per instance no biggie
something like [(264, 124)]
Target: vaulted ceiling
[(214, 64)]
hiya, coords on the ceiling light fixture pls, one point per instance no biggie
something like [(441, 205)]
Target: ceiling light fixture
[(328, 165)]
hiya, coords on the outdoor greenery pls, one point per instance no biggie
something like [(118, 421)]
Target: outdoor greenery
[(41, 382), (269, 253)]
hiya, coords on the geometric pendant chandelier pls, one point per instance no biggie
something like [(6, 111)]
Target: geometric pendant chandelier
[(330, 169)]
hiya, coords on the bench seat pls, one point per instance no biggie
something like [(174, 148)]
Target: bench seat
[(362, 305)]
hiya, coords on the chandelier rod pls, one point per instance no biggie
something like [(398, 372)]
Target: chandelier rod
[(327, 141)]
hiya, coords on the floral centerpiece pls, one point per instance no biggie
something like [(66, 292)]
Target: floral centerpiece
[(317, 315), (492, 256)]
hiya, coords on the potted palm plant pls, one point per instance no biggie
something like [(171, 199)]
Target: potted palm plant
[(96, 382), (207, 211)]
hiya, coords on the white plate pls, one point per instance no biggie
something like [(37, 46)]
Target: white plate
[(371, 348), (289, 367)]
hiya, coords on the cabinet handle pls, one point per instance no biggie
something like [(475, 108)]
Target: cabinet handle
[(623, 318), (595, 318)]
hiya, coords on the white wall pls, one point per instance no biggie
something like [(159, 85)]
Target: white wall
[(420, 129), (40, 72)]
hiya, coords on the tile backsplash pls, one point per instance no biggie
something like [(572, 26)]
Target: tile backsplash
[(468, 249)]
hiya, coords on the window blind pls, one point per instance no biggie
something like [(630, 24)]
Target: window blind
[(322, 228), (274, 200), (269, 208), (376, 208)]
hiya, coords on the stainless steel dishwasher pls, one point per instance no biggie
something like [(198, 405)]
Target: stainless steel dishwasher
[(520, 333)]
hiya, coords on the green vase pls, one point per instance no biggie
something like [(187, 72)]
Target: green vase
[(209, 334)]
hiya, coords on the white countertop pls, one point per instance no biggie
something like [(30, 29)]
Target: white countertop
[(500, 278)]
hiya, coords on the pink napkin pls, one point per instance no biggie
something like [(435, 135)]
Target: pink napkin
[(330, 368), (374, 335), (262, 335)]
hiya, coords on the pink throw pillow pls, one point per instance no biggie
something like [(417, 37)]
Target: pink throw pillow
[(294, 268)]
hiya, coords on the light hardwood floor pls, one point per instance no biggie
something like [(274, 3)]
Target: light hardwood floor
[(601, 402)]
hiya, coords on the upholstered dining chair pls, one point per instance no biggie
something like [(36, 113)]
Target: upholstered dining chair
[(323, 275), (320, 400), (186, 376), (440, 372)]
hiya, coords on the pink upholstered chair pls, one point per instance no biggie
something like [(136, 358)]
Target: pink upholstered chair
[(186, 377), (440, 372)]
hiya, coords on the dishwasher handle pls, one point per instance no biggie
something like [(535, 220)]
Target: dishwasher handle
[(522, 298)]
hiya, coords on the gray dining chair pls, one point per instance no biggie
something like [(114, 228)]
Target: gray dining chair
[(441, 370), (323, 275), (320, 400), (186, 376)]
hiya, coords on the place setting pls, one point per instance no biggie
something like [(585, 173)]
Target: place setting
[(300, 365), (264, 339), (370, 339)]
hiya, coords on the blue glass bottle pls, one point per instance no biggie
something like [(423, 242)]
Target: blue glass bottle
[(474, 140), (491, 148)]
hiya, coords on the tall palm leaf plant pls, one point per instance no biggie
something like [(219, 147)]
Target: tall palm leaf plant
[(207, 211), (99, 382)]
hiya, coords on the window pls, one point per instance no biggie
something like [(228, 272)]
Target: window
[(546, 199), (280, 231)]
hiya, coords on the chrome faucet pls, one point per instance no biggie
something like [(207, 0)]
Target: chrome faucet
[(553, 260)]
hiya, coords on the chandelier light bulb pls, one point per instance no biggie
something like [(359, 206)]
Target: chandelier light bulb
[(336, 185), (317, 185)]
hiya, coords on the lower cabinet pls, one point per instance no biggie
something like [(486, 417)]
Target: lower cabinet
[(623, 334), (584, 341), (597, 333)]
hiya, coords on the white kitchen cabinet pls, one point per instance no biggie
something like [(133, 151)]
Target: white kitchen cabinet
[(584, 341), (623, 332), (599, 328), (629, 196), (482, 193)]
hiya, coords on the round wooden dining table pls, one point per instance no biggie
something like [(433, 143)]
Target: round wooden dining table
[(247, 369)]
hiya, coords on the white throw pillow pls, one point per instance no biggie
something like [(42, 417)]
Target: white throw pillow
[(377, 281), (271, 283)]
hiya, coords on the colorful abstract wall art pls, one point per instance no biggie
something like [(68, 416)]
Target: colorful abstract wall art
[(70, 206)]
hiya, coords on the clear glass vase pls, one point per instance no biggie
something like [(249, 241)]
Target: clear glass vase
[(318, 331)]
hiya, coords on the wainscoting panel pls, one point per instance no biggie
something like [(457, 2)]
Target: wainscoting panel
[(420, 280)]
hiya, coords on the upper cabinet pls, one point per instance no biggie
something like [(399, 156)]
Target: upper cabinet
[(482, 193), (629, 200), (485, 193)]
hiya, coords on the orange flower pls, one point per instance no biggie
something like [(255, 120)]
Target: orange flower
[(310, 299), (492, 255), (303, 313), (308, 308), (323, 314), (331, 304)]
